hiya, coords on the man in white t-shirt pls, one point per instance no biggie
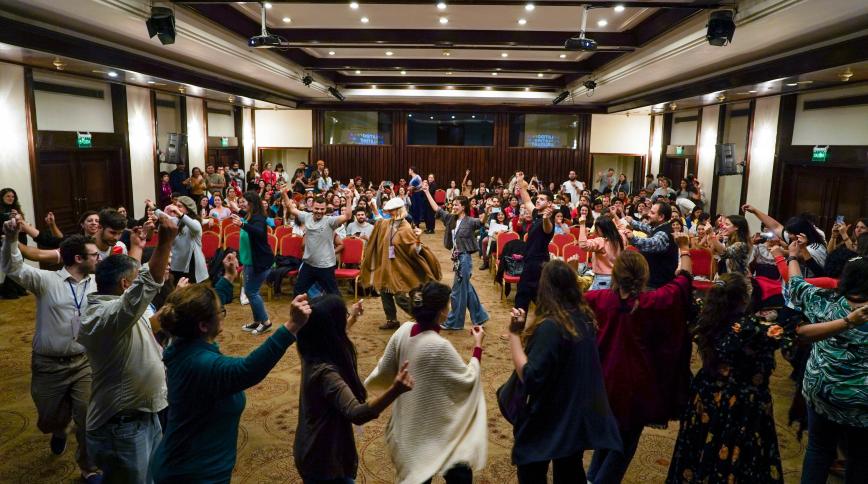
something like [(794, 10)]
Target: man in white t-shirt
[(319, 260), (574, 188), (360, 227)]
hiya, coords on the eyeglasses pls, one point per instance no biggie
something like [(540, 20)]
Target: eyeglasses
[(91, 254)]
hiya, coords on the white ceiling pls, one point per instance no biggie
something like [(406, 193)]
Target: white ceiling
[(443, 74), (454, 54)]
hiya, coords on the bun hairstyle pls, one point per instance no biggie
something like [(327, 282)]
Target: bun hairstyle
[(630, 274), (428, 301), (186, 307)]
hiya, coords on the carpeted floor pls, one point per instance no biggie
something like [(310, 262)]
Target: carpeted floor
[(269, 421)]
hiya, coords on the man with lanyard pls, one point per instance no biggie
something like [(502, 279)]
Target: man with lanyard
[(536, 252), (319, 260), (61, 375), (659, 248), (460, 238), (129, 380)]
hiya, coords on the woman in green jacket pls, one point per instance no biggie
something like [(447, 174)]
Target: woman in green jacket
[(206, 388)]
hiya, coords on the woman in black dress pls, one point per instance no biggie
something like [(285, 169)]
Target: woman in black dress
[(728, 428)]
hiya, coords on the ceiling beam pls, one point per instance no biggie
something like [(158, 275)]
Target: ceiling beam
[(458, 65), (543, 3), (451, 80)]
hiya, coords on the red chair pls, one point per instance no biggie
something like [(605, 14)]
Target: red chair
[(703, 265), (272, 242), (230, 229), (575, 255), (500, 242), (223, 224), (576, 231), (554, 250), (210, 244), (440, 197), (282, 231), (352, 254), (278, 221), (561, 240), (232, 241), (508, 279), (291, 246), (154, 240)]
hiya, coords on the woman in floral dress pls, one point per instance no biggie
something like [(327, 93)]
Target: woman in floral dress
[(728, 429)]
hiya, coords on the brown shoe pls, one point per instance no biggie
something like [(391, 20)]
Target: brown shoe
[(390, 325)]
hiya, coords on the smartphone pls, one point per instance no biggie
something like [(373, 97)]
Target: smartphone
[(315, 291), (495, 209), (839, 219)]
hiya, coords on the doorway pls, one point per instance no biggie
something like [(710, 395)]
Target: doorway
[(629, 165), (825, 192)]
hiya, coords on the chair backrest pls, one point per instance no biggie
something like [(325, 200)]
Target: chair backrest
[(572, 252), (278, 221), (703, 263), (232, 241), (210, 243), (561, 240), (440, 196), (554, 250), (292, 246), (223, 224), (281, 231), (502, 239), (230, 229), (354, 248), (576, 231), (272, 242)]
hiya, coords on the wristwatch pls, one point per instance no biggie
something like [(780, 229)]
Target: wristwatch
[(791, 258)]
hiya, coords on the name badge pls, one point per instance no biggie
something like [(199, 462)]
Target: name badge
[(391, 252)]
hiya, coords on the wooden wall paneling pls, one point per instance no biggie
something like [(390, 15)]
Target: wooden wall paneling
[(786, 123), (30, 110), (157, 181), (122, 131), (746, 169), (715, 180)]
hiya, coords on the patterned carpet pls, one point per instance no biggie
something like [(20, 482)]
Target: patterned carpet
[(269, 421)]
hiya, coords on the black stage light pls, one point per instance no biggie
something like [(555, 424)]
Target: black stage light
[(337, 94), (162, 24), (307, 80), (721, 27), (590, 84), (561, 97)]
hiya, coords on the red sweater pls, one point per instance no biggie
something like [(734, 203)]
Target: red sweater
[(645, 355)]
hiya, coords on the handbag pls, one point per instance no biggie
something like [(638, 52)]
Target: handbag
[(514, 265), (512, 398)]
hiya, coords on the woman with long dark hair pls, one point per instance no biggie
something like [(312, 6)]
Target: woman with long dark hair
[(440, 427), (332, 398), (812, 244), (644, 351), (256, 256), (727, 432), (556, 359), (605, 248), (738, 249)]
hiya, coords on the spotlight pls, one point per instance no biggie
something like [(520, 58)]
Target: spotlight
[(337, 94), (561, 97), (307, 80), (721, 27), (162, 24), (590, 84)]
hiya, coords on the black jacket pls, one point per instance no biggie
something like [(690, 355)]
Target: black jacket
[(257, 234)]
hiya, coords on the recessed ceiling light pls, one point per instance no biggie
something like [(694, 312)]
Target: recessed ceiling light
[(403, 73), (444, 20), (493, 73), (374, 86), (266, 5), (473, 116), (792, 84), (151, 82), (449, 73), (358, 72), (287, 20), (411, 87), (751, 92), (453, 116), (112, 74), (451, 87), (529, 7), (563, 56), (619, 8), (804, 82), (522, 21), (364, 20), (410, 115), (389, 52), (504, 54), (430, 117), (526, 89), (354, 5), (602, 22), (487, 88), (447, 53), (331, 52), (441, 6), (539, 74)]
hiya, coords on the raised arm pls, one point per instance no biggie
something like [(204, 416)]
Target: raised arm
[(427, 192), (522, 191), (464, 180), (766, 220)]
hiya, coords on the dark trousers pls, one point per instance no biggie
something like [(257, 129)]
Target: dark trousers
[(566, 470), (609, 466), (418, 204), (390, 299), (308, 275), (429, 219), (823, 438), (528, 284), (460, 474)]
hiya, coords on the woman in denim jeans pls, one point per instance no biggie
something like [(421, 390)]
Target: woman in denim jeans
[(837, 368), (256, 256)]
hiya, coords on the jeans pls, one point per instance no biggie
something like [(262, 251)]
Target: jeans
[(252, 283), (609, 466), (458, 474), (123, 449), (823, 438), (308, 275), (601, 281), (464, 296), (566, 470), (389, 299)]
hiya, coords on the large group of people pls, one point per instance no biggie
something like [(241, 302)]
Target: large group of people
[(126, 329)]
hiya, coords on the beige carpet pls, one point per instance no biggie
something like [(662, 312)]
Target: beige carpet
[(269, 421)]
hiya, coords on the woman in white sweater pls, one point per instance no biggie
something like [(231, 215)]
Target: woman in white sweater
[(440, 427)]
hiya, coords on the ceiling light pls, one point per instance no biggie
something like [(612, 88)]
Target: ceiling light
[(403, 73), (453, 116), (493, 73), (287, 20), (449, 73), (451, 87), (266, 5), (389, 52), (162, 24), (561, 97), (447, 53), (846, 75), (411, 87), (364, 20), (619, 8), (487, 88), (112, 74), (563, 56), (354, 5), (529, 7), (522, 21), (792, 84), (231, 99), (473, 116), (751, 92), (410, 115), (151, 82), (374, 86), (444, 20), (602, 22), (337, 94), (804, 82), (526, 89), (721, 27), (539, 74), (504, 54), (441, 6), (58, 64), (430, 117), (331, 52), (358, 72), (307, 80)]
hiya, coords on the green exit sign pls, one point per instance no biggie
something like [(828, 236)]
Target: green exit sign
[(820, 154), (84, 140), (679, 150), (224, 141)]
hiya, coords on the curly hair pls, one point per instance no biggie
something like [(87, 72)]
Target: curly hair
[(727, 298)]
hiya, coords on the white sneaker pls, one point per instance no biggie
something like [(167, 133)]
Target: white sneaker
[(250, 327), (243, 298), (262, 328)]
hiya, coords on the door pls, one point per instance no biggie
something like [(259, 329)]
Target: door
[(674, 170), (72, 182), (824, 192)]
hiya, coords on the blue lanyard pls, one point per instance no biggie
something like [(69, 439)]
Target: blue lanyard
[(78, 302)]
